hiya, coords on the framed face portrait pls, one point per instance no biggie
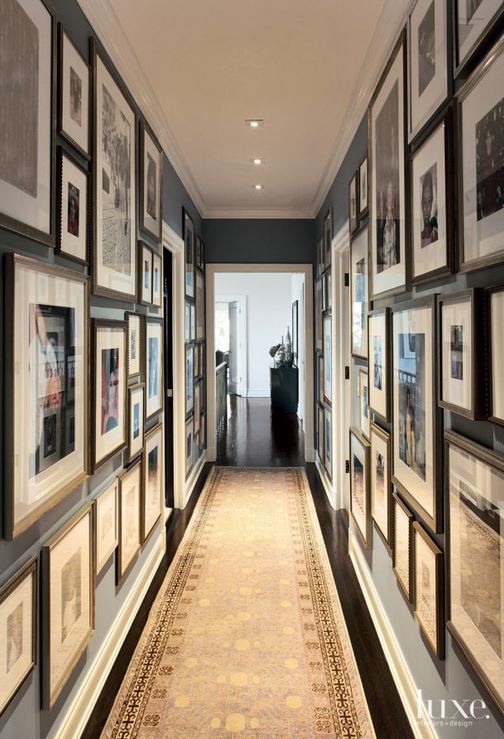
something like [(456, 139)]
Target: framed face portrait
[(106, 524), (153, 366), (189, 389), (200, 305), (328, 441), (363, 188), (157, 280), (363, 396), (73, 99), (353, 216), (328, 235), (379, 362), (188, 236), (189, 451), (134, 328), (381, 498), (151, 168), (328, 359), (136, 400), (360, 499), (145, 273), (130, 484), (496, 313), (402, 522), (359, 286), (153, 475), (475, 20), (73, 209), (428, 589)]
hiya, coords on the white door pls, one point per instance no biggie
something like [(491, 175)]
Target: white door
[(234, 348)]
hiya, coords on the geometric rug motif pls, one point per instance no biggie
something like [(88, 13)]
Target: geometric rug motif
[(246, 637)]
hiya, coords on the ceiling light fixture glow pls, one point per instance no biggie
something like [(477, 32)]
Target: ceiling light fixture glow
[(258, 162), (258, 187), (254, 122)]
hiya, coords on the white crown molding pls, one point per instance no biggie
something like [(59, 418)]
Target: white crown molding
[(299, 214)]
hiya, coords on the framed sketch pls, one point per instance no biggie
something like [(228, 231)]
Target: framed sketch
[(328, 235), (189, 380), (153, 366), (353, 216), (363, 396), (106, 524), (145, 273), (328, 359), (363, 188), (360, 493), (153, 476), (475, 20), (151, 168), (157, 280), (134, 329), (428, 589), (380, 482), (188, 236), (114, 159), (46, 383), (328, 441), (359, 286), (402, 522), (197, 408), (189, 452), (200, 306), (69, 607), (379, 362), (73, 98), (72, 224), (295, 330), (27, 143), (130, 484), (415, 427), (18, 622), (481, 121), (428, 68), (387, 146), (320, 424), (136, 401)]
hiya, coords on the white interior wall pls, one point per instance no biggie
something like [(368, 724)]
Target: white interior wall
[(298, 293)]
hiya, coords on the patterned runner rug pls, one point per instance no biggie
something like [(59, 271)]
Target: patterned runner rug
[(246, 636)]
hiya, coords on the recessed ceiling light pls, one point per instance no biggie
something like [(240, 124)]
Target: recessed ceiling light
[(254, 122), (258, 161), (258, 187)]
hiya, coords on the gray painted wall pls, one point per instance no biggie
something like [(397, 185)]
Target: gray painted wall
[(258, 241)]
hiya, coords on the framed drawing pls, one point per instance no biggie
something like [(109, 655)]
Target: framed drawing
[(328, 235), (145, 273), (151, 168), (130, 484), (402, 522), (46, 384), (200, 306), (157, 280), (475, 20), (353, 217), (328, 359), (114, 159), (388, 154), (415, 428), (188, 236), (136, 400), (152, 488), (27, 144), (18, 620), (153, 366), (474, 480), (363, 188), (360, 494), (72, 224), (363, 395), (380, 482), (379, 362), (73, 98), (189, 380), (106, 524), (328, 441), (189, 447), (69, 609), (496, 311), (359, 285), (134, 328), (428, 589)]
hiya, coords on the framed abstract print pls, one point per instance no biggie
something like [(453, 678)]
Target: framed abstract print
[(328, 441), (189, 380), (328, 359), (73, 99), (151, 168), (474, 21), (360, 493), (363, 395), (136, 401), (379, 362), (328, 235), (27, 143), (18, 630), (189, 451), (72, 225), (130, 486), (152, 487), (381, 498), (402, 522), (475, 488), (108, 410), (363, 188), (46, 383), (134, 327), (387, 146), (157, 278), (428, 589), (200, 306), (496, 310), (359, 286), (106, 524), (114, 159), (415, 427), (145, 273), (68, 571), (188, 236), (353, 217), (153, 366)]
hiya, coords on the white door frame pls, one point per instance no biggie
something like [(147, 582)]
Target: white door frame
[(211, 271), (242, 333)]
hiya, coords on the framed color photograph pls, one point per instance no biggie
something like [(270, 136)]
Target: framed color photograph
[(134, 327), (359, 285), (328, 235), (474, 21), (153, 366), (151, 168), (379, 362), (46, 385), (68, 571), (130, 485), (363, 395), (428, 589), (73, 81), (381, 498), (200, 306), (328, 359), (353, 216), (363, 188), (145, 273), (106, 524), (189, 380), (188, 236), (360, 493), (72, 226), (402, 522), (153, 475), (136, 399), (157, 280)]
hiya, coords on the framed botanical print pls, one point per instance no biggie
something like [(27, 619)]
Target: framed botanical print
[(328, 359), (151, 168), (328, 235), (145, 273), (69, 600), (475, 20), (328, 441), (27, 143), (188, 236), (46, 385), (189, 380), (189, 451), (496, 311), (363, 396), (360, 493), (428, 589), (387, 146), (106, 524), (130, 485), (73, 99), (18, 630), (363, 188), (136, 399), (381, 498), (359, 285), (379, 362), (72, 225), (157, 278), (402, 522), (153, 366), (153, 475), (353, 216), (200, 305), (134, 327)]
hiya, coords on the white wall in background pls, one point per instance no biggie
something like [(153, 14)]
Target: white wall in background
[(298, 293)]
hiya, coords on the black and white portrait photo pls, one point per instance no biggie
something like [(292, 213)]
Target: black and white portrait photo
[(387, 183), (73, 209), (457, 352), (490, 162), (426, 49), (75, 97), (428, 192), (412, 402)]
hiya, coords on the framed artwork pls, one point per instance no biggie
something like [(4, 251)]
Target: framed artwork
[(475, 20), (359, 287), (154, 366), (72, 225), (69, 601), (380, 482), (388, 154), (46, 383), (402, 522), (197, 408), (189, 447), (474, 483), (18, 621), (427, 61), (379, 362), (360, 493), (156, 280), (106, 524), (187, 322), (114, 158), (353, 216), (318, 315), (151, 169), (428, 589), (328, 235), (27, 144), (134, 329), (327, 359), (481, 122), (415, 427), (145, 273), (200, 306), (363, 395), (328, 441), (136, 400), (192, 323), (320, 256), (189, 383), (320, 377), (462, 380), (295, 329), (188, 236), (196, 361), (73, 98), (321, 443), (130, 484), (327, 290), (152, 488), (363, 188), (496, 311)]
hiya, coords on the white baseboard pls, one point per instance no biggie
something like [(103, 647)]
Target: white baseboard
[(258, 392), (403, 679), (194, 476), (326, 483), (309, 454)]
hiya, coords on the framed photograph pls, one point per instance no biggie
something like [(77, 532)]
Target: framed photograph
[(388, 154), (415, 427), (72, 225), (320, 256), (188, 236), (189, 447), (496, 312), (136, 400), (153, 366), (73, 98), (130, 485), (353, 216), (187, 322), (151, 168), (106, 524), (69, 601), (318, 315), (320, 439), (134, 329), (363, 188), (379, 362), (327, 359), (428, 67), (157, 280), (360, 492), (327, 290), (200, 306), (153, 472), (192, 323), (27, 144), (481, 124), (114, 159), (197, 408), (462, 379), (328, 441), (328, 236), (18, 624), (320, 377), (359, 287), (475, 20), (46, 383), (145, 273), (428, 589), (295, 330), (381, 507), (363, 395), (189, 384), (402, 522)]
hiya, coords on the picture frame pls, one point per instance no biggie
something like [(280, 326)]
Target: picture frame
[(153, 477), (197, 408), (402, 525), (379, 353), (188, 237), (189, 380), (328, 236), (28, 144), (495, 312), (73, 209), (363, 396), (106, 524), (157, 280), (192, 324), (363, 188), (200, 253), (18, 616), (327, 359), (360, 296), (68, 570), (328, 441), (428, 589), (187, 322), (74, 95), (200, 306), (321, 442), (360, 492), (189, 459), (130, 484), (134, 336), (136, 412), (154, 375), (320, 377), (144, 273), (381, 484), (151, 179), (320, 256), (47, 310), (295, 329), (472, 31), (318, 315), (353, 194)]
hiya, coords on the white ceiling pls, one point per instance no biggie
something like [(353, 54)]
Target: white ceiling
[(213, 63)]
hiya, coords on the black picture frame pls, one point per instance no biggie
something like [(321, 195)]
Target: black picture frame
[(188, 236), (84, 152), (86, 220), (365, 537), (146, 130), (353, 203), (487, 36)]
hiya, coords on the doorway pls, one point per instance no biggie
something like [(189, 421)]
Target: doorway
[(168, 375), (231, 343)]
